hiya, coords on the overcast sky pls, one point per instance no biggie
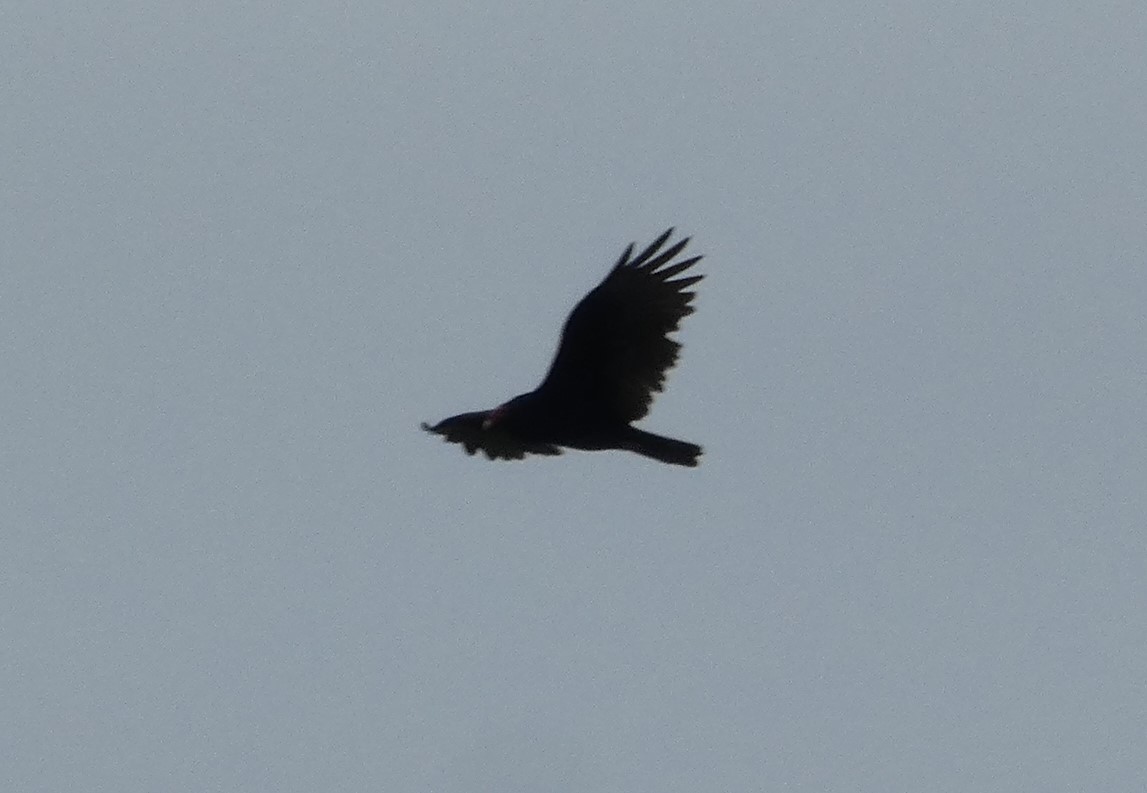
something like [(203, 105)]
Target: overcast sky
[(246, 247)]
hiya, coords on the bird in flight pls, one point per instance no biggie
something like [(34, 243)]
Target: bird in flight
[(611, 360)]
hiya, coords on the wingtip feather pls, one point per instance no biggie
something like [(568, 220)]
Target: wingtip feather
[(624, 259), (652, 248)]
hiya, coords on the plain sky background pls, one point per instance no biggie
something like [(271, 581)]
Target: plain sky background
[(246, 247)]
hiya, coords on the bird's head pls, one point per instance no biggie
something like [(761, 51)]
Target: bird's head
[(494, 417), (487, 430), (462, 423)]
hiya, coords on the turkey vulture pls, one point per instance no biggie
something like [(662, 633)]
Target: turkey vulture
[(613, 355)]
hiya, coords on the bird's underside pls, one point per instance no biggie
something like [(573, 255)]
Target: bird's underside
[(612, 358)]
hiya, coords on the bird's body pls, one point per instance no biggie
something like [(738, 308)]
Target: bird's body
[(613, 356)]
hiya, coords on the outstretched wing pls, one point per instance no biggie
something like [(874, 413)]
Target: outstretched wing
[(474, 433), (614, 350)]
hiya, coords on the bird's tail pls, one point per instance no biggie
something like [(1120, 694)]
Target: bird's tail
[(658, 447)]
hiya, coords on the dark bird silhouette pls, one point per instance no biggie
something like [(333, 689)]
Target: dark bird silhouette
[(612, 358)]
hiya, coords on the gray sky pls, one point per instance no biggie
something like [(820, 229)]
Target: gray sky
[(248, 247)]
